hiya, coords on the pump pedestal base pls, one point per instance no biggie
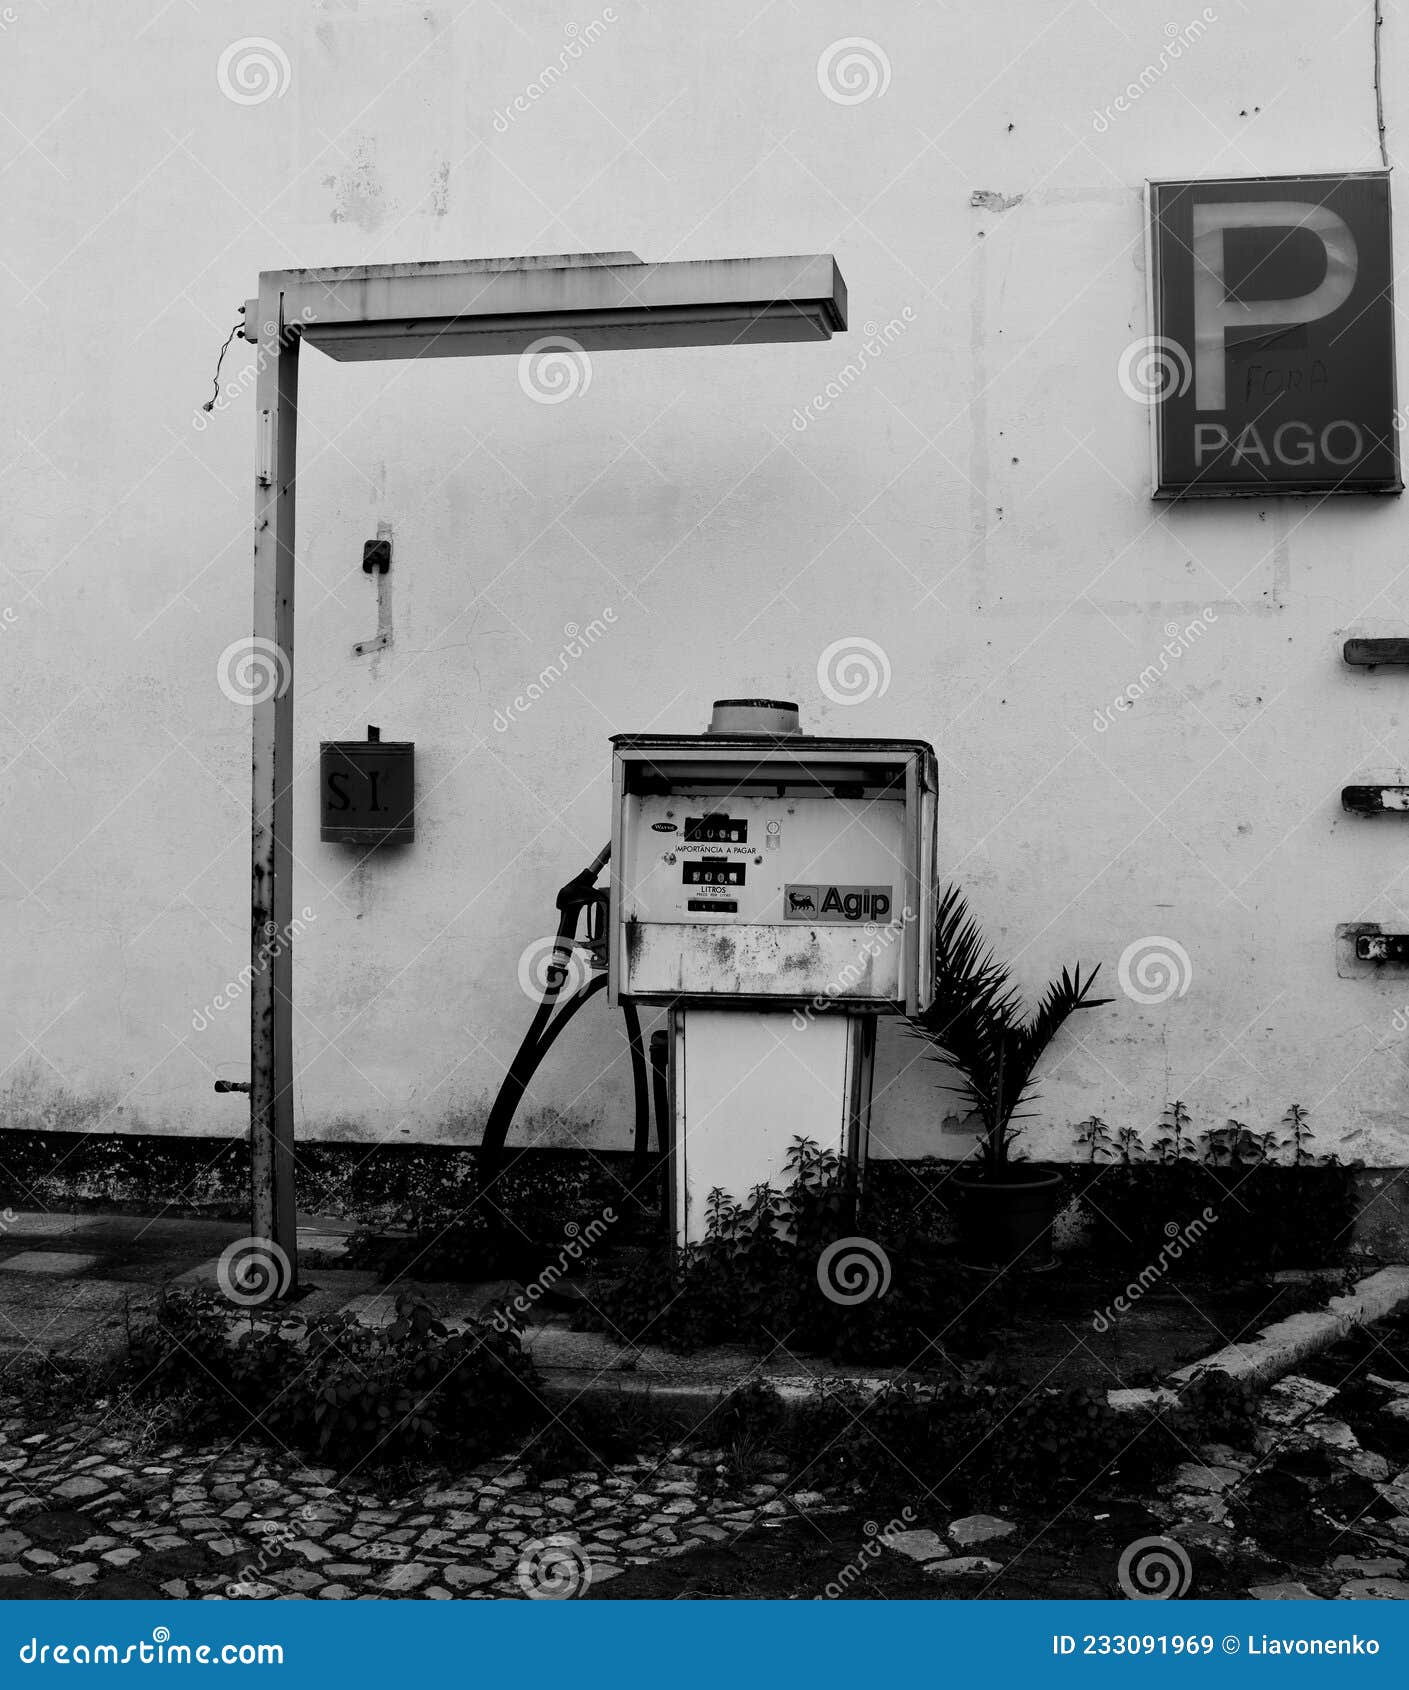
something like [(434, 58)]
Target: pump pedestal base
[(745, 1083)]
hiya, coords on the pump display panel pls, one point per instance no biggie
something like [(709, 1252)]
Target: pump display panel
[(802, 872)]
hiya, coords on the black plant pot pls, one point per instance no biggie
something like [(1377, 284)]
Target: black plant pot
[(1005, 1218)]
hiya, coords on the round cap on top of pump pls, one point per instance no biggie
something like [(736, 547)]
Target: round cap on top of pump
[(740, 717)]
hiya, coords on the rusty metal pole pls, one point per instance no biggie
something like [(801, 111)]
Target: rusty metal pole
[(271, 936)]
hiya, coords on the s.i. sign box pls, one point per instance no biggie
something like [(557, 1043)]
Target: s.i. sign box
[(1271, 368)]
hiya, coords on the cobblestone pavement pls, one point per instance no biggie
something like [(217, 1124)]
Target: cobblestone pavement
[(1318, 1508), (84, 1517)]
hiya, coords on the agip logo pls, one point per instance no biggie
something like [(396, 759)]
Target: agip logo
[(1274, 313), (836, 903)]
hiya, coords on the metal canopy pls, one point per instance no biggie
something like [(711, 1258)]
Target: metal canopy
[(472, 307), (604, 301)]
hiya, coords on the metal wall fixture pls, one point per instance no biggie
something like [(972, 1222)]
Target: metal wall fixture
[(1372, 654), (1382, 947), (376, 561), (1375, 800)]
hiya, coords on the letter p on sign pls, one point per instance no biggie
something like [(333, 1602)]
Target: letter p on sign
[(1215, 313)]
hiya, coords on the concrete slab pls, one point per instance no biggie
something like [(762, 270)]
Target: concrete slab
[(22, 1295), (36, 1223), (114, 1231), (143, 1249), (84, 1318), (59, 1262)]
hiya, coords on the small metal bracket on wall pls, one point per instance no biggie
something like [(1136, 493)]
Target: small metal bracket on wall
[(1382, 947), (1370, 654), (376, 560), (1375, 800)]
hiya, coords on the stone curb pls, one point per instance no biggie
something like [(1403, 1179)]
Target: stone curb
[(1284, 1345), (697, 1398), (1274, 1352), (1278, 1348)]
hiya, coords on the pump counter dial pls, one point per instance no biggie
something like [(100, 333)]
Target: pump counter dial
[(716, 830), (713, 871)]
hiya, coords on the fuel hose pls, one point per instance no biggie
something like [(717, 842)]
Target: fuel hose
[(577, 896)]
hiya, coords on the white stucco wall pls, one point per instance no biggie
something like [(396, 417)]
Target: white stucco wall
[(976, 503)]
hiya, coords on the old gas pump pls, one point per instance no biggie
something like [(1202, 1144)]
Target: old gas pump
[(774, 891)]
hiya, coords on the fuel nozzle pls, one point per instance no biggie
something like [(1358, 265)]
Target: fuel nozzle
[(582, 898)]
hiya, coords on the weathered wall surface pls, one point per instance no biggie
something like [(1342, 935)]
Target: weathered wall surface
[(974, 500)]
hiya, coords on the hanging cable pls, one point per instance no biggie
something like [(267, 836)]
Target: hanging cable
[(215, 383)]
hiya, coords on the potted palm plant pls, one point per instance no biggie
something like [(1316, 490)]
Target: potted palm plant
[(977, 1026)]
